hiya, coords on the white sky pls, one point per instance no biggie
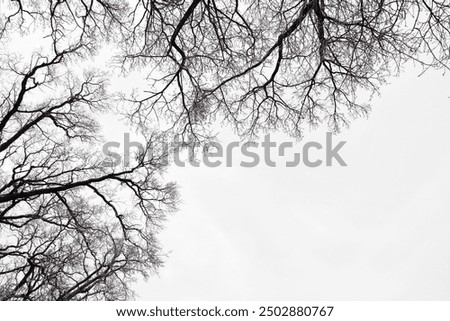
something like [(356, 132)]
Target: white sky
[(375, 230)]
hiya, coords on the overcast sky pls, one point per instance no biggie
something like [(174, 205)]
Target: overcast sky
[(377, 229)]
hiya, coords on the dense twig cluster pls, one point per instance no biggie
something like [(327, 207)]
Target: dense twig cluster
[(73, 229), (277, 64)]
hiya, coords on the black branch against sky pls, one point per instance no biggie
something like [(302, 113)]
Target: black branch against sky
[(74, 229)]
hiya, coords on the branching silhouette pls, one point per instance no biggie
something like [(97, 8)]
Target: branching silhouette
[(277, 65), (71, 228), (74, 229)]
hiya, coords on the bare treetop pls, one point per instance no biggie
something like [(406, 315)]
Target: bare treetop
[(278, 64), (72, 228)]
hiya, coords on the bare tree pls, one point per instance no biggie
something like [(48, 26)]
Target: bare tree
[(71, 228), (277, 65)]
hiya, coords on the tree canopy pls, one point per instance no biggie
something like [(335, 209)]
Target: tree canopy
[(74, 229)]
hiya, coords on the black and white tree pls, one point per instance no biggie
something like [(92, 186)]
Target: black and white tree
[(74, 229)]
